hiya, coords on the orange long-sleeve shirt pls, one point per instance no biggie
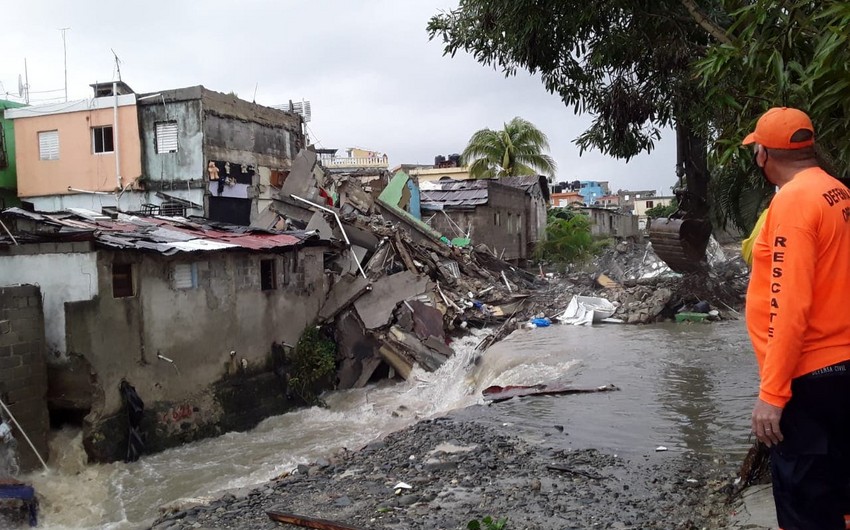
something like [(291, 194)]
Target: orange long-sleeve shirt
[(798, 310)]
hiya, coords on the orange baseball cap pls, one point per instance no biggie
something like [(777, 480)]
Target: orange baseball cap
[(778, 126)]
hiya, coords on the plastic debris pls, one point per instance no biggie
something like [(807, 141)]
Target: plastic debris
[(585, 310)]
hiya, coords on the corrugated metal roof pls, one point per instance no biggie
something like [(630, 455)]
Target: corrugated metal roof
[(451, 193), (526, 183), (162, 234)]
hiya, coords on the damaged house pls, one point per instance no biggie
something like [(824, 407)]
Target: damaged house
[(486, 212), (213, 149), (194, 314)]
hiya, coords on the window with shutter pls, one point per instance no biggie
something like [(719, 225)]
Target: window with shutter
[(166, 137), (48, 145), (185, 275)]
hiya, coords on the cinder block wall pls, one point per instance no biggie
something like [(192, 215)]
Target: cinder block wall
[(23, 370)]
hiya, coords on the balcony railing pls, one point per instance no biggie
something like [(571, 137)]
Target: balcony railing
[(345, 162)]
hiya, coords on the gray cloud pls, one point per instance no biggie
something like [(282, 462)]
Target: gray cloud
[(372, 76)]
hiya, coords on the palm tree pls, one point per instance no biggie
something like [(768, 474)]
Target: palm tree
[(514, 151)]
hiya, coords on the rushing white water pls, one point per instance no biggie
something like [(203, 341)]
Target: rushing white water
[(121, 496)]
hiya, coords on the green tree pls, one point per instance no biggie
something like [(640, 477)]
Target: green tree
[(518, 149), (567, 240), (628, 63), (709, 69), (794, 53), (662, 210)]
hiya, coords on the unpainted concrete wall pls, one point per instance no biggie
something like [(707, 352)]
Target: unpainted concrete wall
[(66, 272), (23, 371), (500, 224), (535, 213), (180, 173), (197, 328), (240, 132), (607, 223)]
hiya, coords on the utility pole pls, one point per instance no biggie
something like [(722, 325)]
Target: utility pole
[(65, 55)]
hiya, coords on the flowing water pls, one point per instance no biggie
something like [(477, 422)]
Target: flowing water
[(687, 387)]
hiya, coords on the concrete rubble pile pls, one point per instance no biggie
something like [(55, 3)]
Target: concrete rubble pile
[(645, 290), (397, 290)]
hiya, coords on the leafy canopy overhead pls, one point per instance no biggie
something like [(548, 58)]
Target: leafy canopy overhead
[(626, 62), (516, 150), (638, 66)]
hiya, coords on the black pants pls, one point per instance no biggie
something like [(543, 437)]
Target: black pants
[(811, 467)]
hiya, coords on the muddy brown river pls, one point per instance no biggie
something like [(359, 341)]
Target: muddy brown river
[(688, 388)]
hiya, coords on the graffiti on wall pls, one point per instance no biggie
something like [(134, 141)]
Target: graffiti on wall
[(176, 414)]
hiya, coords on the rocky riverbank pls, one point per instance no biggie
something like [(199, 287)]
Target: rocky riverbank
[(443, 473)]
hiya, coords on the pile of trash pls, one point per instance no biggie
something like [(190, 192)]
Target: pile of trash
[(645, 290)]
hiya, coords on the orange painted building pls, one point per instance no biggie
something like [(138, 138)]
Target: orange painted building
[(563, 200), (67, 149)]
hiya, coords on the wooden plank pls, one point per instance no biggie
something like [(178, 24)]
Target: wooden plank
[(309, 522), (503, 393), (403, 254)]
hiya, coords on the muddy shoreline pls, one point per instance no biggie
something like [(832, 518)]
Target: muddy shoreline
[(463, 470)]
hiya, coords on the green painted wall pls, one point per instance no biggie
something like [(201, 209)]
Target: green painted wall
[(9, 173)]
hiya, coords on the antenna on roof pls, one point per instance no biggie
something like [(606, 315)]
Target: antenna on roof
[(24, 84), (255, 92), (65, 55), (117, 63)]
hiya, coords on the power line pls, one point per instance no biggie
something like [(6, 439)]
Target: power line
[(314, 135)]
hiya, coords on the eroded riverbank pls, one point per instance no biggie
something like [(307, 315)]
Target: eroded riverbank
[(686, 387)]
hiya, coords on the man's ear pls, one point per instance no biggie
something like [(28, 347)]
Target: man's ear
[(761, 155)]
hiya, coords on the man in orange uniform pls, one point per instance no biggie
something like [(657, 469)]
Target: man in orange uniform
[(799, 323)]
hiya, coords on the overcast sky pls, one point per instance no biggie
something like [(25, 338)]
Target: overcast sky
[(367, 67)]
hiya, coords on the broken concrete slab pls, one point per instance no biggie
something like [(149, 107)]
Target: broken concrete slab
[(439, 345), (358, 350), (376, 307), (347, 264), (345, 291), (352, 193), (427, 321), (269, 220), (360, 237), (320, 224), (301, 178), (397, 360), (367, 370), (427, 358)]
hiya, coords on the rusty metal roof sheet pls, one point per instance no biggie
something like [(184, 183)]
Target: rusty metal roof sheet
[(167, 235)]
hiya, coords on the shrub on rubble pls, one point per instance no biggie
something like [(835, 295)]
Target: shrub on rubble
[(312, 361), (567, 240)]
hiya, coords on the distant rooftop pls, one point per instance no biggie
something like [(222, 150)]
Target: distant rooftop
[(104, 89)]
